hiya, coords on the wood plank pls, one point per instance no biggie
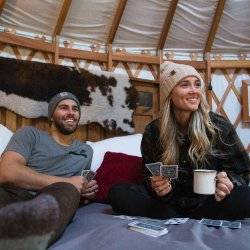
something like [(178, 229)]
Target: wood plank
[(81, 133), (2, 115), (94, 132), (117, 18), (208, 83), (110, 62), (2, 3), (230, 64), (55, 58), (195, 64), (84, 55), (41, 123), (215, 25), (11, 120), (36, 44), (141, 122), (26, 122), (126, 57), (167, 23), (61, 18), (245, 98)]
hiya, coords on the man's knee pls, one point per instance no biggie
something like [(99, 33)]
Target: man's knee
[(63, 192)]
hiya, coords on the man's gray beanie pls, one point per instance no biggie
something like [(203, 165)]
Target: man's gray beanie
[(59, 97)]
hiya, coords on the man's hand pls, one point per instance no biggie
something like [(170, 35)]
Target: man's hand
[(79, 182), (223, 186), (91, 188), (161, 185)]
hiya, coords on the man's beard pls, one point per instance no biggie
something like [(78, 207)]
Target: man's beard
[(65, 130)]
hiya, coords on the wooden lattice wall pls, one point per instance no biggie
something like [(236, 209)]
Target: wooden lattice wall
[(225, 81)]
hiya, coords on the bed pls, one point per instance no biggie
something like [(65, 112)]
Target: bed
[(95, 226)]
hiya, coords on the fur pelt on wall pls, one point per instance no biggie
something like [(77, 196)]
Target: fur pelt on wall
[(26, 88)]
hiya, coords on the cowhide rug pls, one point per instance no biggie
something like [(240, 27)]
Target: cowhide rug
[(106, 98)]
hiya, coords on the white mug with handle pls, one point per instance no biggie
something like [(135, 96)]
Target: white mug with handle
[(204, 181)]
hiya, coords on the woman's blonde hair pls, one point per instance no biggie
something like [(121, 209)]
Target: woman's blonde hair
[(200, 126)]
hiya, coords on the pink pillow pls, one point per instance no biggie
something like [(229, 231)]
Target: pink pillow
[(116, 168)]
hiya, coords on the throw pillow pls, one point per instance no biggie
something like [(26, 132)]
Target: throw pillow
[(129, 144), (116, 168), (5, 135)]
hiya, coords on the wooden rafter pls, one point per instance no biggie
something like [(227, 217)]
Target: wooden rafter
[(25, 42), (167, 23), (61, 18), (215, 25), (2, 3), (116, 21)]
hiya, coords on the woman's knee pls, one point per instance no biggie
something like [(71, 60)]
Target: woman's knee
[(118, 194)]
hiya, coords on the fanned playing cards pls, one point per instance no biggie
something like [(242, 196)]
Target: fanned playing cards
[(158, 169), (88, 174)]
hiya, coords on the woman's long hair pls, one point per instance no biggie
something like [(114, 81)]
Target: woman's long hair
[(200, 126)]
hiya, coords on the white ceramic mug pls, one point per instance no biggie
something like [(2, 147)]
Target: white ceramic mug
[(204, 181)]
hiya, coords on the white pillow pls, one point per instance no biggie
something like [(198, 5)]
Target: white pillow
[(129, 144), (5, 135)]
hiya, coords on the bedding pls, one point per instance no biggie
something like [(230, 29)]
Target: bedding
[(95, 227)]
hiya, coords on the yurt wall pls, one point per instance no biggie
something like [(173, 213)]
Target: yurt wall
[(223, 79)]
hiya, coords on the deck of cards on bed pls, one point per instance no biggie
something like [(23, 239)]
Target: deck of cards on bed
[(156, 228)]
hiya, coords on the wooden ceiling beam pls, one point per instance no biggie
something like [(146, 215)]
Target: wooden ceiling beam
[(127, 57), (61, 18), (215, 25), (221, 64), (167, 24), (81, 54), (2, 3), (116, 21), (196, 64), (36, 44)]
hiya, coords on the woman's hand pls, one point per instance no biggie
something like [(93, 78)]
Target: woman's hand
[(223, 186), (161, 185)]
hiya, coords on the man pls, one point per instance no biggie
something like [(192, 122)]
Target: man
[(40, 178)]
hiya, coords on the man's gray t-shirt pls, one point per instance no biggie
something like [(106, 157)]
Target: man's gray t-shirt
[(44, 155)]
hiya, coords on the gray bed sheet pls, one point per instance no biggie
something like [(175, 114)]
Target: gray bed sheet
[(95, 227)]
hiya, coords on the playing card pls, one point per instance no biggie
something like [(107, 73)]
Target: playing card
[(176, 221), (149, 232), (231, 224), (88, 174), (209, 222), (154, 168), (152, 221), (169, 171), (148, 229), (125, 217), (143, 225)]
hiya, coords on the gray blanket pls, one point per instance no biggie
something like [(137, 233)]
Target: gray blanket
[(95, 227)]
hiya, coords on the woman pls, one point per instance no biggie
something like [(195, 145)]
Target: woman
[(189, 135)]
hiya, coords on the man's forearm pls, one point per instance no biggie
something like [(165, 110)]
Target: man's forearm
[(13, 171)]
